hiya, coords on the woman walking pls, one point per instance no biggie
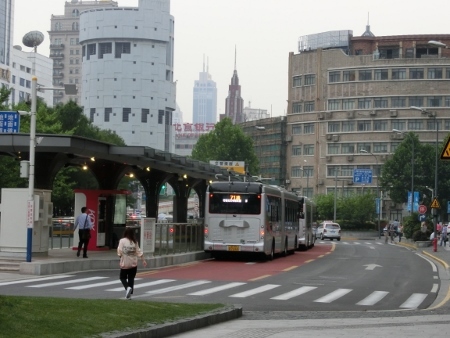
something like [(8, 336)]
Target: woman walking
[(128, 251)]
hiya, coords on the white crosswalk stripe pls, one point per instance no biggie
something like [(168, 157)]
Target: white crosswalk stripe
[(333, 296), (413, 301), (142, 285), (216, 289), (23, 281), (373, 298), (178, 287), (295, 293), (88, 286), (81, 280), (255, 291)]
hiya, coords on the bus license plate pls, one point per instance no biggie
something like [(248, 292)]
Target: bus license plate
[(233, 248)]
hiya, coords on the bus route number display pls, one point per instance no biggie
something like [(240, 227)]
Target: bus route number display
[(233, 199)]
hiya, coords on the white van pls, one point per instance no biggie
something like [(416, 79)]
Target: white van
[(330, 230)]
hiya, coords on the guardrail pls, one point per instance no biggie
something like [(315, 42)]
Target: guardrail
[(173, 238)]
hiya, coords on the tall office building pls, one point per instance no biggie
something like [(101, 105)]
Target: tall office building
[(234, 103), (205, 98), (65, 49), (127, 72), (348, 94), (6, 38)]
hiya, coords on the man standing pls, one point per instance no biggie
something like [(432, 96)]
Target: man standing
[(444, 235), (84, 224)]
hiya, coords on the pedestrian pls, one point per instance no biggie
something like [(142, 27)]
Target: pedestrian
[(391, 231), (443, 235), (386, 233), (129, 251), (400, 232), (84, 225)]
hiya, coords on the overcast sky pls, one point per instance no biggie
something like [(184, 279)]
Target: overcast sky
[(263, 31)]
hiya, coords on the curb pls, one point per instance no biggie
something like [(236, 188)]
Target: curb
[(183, 325)]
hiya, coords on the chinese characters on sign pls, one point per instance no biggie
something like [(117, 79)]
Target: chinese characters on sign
[(190, 130), (237, 166), (9, 122)]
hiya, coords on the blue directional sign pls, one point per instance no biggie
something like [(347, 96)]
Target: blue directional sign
[(9, 122), (362, 176), (422, 217)]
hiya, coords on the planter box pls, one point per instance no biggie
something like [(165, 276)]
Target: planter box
[(422, 244)]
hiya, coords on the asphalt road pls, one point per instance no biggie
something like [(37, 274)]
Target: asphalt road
[(333, 276)]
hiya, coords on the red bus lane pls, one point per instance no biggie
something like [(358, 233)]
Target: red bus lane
[(238, 270)]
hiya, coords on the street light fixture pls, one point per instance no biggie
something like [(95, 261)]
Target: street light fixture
[(437, 44), (378, 191), (435, 193), (412, 169)]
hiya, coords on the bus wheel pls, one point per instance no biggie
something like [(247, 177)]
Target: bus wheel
[(272, 253), (285, 248)]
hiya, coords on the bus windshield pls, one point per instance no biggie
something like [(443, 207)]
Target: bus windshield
[(234, 203)]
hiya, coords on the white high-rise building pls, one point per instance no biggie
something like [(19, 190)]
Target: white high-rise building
[(205, 98), (127, 72), (6, 38)]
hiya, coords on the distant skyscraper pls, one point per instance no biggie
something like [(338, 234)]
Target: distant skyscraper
[(6, 38), (205, 98), (234, 103)]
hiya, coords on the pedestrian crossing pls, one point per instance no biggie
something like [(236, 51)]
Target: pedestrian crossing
[(241, 290)]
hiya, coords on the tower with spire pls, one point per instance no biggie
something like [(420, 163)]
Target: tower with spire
[(204, 108), (234, 103)]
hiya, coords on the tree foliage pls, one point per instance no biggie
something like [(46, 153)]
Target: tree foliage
[(226, 142)]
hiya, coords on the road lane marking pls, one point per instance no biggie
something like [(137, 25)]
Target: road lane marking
[(255, 291), (178, 287), (310, 260), (81, 280), (333, 296), (432, 264), (138, 286), (34, 280), (290, 268), (373, 298), (414, 301), (435, 288), (258, 278), (294, 293), (88, 286), (216, 289)]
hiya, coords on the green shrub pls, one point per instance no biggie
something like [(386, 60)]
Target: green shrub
[(421, 236)]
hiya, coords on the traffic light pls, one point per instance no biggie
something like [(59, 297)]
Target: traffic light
[(163, 190)]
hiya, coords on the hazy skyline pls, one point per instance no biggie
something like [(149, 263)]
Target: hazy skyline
[(263, 32)]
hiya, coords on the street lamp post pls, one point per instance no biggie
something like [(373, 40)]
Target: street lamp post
[(378, 191), (260, 129), (433, 210), (32, 39), (335, 193), (412, 170)]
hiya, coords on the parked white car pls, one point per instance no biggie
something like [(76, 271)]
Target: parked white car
[(330, 230)]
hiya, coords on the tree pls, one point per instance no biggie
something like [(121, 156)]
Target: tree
[(226, 142)]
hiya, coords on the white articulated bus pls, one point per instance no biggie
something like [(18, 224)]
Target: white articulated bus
[(250, 217), (307, 219)]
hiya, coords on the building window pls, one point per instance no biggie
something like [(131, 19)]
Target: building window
[(365, 75), (296, 107), (334, 104), (297, 81), (435, 73), (416, 73), (296, 171), (447, 125), (308, 128), (333, 148), (389, 53), (416, 101), (348, 104), (144, 115), (75, 26), (431, 124), (21, 82), (380, 125), (399, 74), (380, 102), (446, 101), (347, 170), (296, 150), (364, 125), (364, 146), (104, 48), (160, 116), (126, 114), (296, 130), (334, 77), (58, 26), (348, 126), (380, 147), (75, 13), (122, 48), (434, 101), (308, 149), (91, 50), (91, 115), (398, 124), (309, 106), (348, 148), (398, 101), (364, 103), (332, 171), (415, 124), (308, 171), (310, 79), (348, 75), (394, 146), (108, 112), (381, 74), (334, 127)]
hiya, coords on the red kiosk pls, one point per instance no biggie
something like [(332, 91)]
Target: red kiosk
[(107, 210)]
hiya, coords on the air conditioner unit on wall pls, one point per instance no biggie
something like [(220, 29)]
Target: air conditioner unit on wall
[(350, 158), (335, 138), (320, 116), (351, 114), (320, 182), (329, 137), (329, 158), (350, 182), (373, 112), (289, 138), (393, 113), (288, 181)]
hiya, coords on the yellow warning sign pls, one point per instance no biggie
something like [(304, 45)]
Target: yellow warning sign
[(445, 155), (435, 204)]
